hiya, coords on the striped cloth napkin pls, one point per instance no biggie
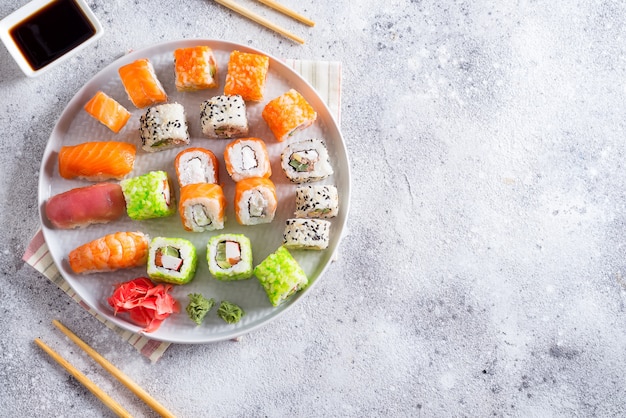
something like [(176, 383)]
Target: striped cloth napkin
[(324, 76)]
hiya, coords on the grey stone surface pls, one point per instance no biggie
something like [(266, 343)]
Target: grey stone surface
[(483, 270)]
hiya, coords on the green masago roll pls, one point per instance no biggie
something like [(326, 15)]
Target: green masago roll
[(172, 260), (229, 257), (149, 196), (281, 276)]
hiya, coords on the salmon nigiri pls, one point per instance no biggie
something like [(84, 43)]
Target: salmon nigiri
[(97, 161), (107, 111), (141, 83), (110, 252)]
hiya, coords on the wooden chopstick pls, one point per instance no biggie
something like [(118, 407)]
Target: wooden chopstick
[(89, 384), (117, 373), (259, 19), (277, 6)]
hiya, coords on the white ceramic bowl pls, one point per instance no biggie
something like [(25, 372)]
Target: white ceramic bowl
[(28, 11)]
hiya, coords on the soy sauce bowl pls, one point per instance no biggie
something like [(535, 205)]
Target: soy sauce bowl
[(44, 33)]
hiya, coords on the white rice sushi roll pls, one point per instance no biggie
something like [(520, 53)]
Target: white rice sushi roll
[(224, 117), (172, 260), (196, 165), (255, 201), (306, 234), (316, 201), (306, 161), (163, 127), (246, 158), (230, 257), (201, 207)]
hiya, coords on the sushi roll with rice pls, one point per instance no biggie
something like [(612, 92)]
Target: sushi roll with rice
[(230, 257), (224, 117), (280, 275), (246, 76), (316, 201), (149, 196), (306, 161), (247, 157), (255, 201), (196, 165), (288, 114), (163, 127), (306, 234), (195, 68), (172, 260), (202, 207)]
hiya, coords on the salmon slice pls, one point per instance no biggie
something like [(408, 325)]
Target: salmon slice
[(97, 161), (112, 252), (141, 83), (246, 75), (195, 68), (107, 111)]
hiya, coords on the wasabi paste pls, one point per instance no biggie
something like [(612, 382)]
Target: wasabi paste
[(230, 312), (198, 307)]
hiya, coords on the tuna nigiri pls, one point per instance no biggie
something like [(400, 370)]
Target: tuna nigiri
[(246, 75), (141, 83), (110, 252), (107, 111), (98, 203), (97, 161)]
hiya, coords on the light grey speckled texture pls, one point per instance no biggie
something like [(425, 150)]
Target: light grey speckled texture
[(483, 270)]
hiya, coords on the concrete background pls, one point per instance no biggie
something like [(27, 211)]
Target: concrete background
[(483, 270)]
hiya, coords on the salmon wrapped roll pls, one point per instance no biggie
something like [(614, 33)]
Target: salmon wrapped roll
[(196, 165), (111, 252), (141, 83), (288, 114), (246, 75), (195, 68), (83, 206), (97, 161), (107, 111), (202, 206), (255, 201), (247, 157)]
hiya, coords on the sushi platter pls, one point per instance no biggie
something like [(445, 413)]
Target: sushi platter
[(262, 243)]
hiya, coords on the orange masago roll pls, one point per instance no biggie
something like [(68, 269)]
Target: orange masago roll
[(288, 114), (97, 161), (111, 252), (246, 76)]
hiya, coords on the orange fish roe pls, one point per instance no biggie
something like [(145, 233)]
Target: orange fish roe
[(246, 75), (109, 112), (195, 68), (288, 114), (141, 83)]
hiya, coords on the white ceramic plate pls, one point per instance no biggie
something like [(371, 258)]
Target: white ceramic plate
[(76, 126)]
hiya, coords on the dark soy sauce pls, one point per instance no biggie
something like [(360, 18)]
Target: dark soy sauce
[(51, 32)]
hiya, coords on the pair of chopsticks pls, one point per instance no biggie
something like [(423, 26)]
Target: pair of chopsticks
[(264, 22), (118, 374)]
